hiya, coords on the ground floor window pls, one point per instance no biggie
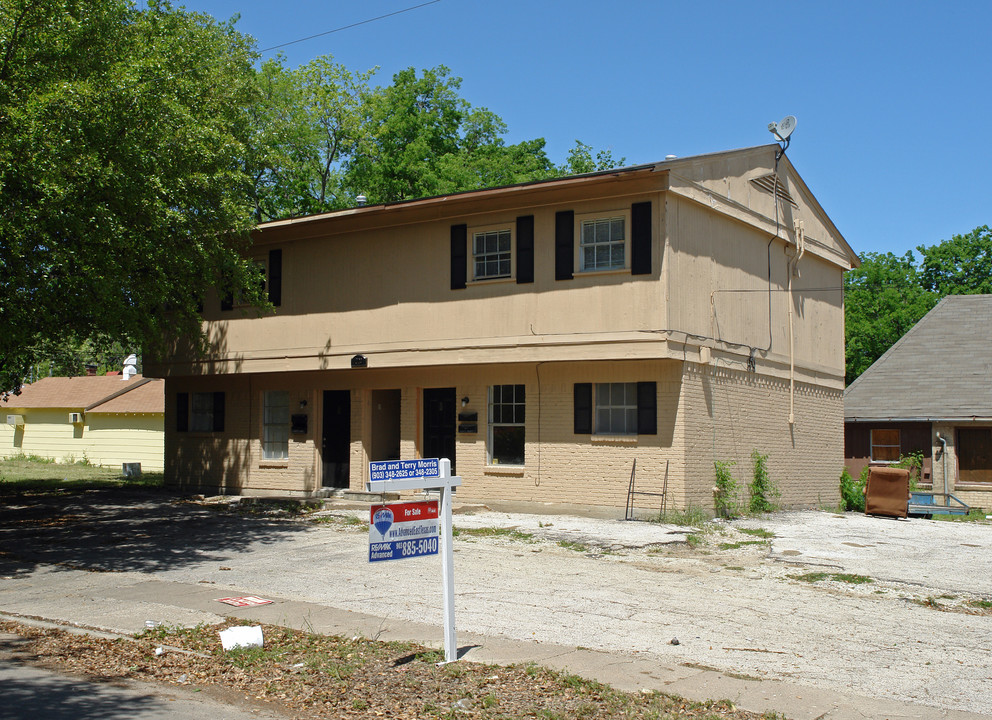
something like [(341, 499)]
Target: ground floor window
[(506, 424), (885, 445), (200, 412), (975, 455), (275, 425), (616, 408)]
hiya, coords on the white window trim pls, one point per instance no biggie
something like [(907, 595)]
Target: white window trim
[(601, 434), (470, 259), (872, 443), (266, 458), (602, 215), (489, 431)]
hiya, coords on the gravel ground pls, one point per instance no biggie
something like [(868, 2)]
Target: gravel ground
[(909, 634), (736, 602)]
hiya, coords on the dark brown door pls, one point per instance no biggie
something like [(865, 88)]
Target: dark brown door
[(440, 416), (336, 445)]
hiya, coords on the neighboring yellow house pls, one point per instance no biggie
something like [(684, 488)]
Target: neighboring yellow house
[(542, 336), (105, 420)]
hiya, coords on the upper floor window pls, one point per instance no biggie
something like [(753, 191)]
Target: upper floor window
[(491, 254), (275, 425), (603, 243), (885, 445)]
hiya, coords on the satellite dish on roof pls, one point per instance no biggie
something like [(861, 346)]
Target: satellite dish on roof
[(784, 128)]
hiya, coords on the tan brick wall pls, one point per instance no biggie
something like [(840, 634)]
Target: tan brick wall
[(729, 413), (704, 414)]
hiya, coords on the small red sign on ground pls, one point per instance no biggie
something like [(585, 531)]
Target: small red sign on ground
[(246, 601)]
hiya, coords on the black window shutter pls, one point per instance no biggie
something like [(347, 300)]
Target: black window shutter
[(459, 241), (525, 249), (582, 394), (182, 412), (218, 412), (640, 238), (564, 244), (275, 277), (647, 408)]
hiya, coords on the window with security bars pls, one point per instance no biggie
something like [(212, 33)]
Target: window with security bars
[(885, 445), (506, 424), (602, 244), (491, 253), (275, 425), (616, 409)]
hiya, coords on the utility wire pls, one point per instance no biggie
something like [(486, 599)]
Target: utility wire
[(346, 27)]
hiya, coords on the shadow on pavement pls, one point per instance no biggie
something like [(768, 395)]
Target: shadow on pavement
[(123, 530)]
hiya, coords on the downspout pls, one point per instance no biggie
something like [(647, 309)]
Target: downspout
[(794, 270), (943, 462)]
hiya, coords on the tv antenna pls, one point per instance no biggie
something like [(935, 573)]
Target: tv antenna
[(782, 131)]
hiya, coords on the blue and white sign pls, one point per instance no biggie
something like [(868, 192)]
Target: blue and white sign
[(404, 469), (403, 530)]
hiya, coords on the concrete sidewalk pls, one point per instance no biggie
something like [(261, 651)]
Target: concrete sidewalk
[(122, 602)]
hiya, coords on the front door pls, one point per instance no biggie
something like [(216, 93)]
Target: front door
[(440, 415), (336, 445)]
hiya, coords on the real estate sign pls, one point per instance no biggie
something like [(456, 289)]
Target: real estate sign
[(399, 531)]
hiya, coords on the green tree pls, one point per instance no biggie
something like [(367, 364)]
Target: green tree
[(422, 139), (959, 266), (307, 122), (123, 136), (580, 160), (883, 299)]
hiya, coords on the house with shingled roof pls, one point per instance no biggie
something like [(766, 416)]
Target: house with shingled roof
[(106, 420), (544, 337), (931, 393)]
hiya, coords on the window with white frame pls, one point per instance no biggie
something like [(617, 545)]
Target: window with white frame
[(492, 253), (616, 409), (603, 243), (275, 425), (885, 445), (506, 424), (201, 417)]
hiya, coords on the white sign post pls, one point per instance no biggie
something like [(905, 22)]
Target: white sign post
[(427, 474)]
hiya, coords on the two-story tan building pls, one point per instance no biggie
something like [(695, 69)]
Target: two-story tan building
[(542, 336)]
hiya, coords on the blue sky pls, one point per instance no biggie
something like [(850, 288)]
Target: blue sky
[(893, 99)]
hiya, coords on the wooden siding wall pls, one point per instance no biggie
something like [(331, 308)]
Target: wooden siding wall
[(103, 440)]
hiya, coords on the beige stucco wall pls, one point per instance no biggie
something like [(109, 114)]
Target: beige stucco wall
[(103, 439)]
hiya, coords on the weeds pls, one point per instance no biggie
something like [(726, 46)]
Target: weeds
[(725, 492), (571, 545), (762, 488), (742, 543), (852, 492), (490, 532), (850, 579), (690, 516), (758, 532)]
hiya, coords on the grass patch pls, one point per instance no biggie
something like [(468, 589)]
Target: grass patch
[(571, 545), (974, 515), (757, 532), (981, 604), (742, 543), (813, 577), (31, 474), (493, 532), (689, 517)]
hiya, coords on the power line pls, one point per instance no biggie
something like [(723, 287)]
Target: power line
[(346, 27)]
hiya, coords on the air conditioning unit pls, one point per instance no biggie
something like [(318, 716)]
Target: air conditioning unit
[(75, 418), (15, 419)]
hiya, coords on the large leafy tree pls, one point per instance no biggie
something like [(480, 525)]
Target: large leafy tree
[(959, 266), (883, 299), (421, 139), (123, 137)]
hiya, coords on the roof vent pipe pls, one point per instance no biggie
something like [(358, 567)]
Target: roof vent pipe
[(130, 367), (671, 157), (361, 200)]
